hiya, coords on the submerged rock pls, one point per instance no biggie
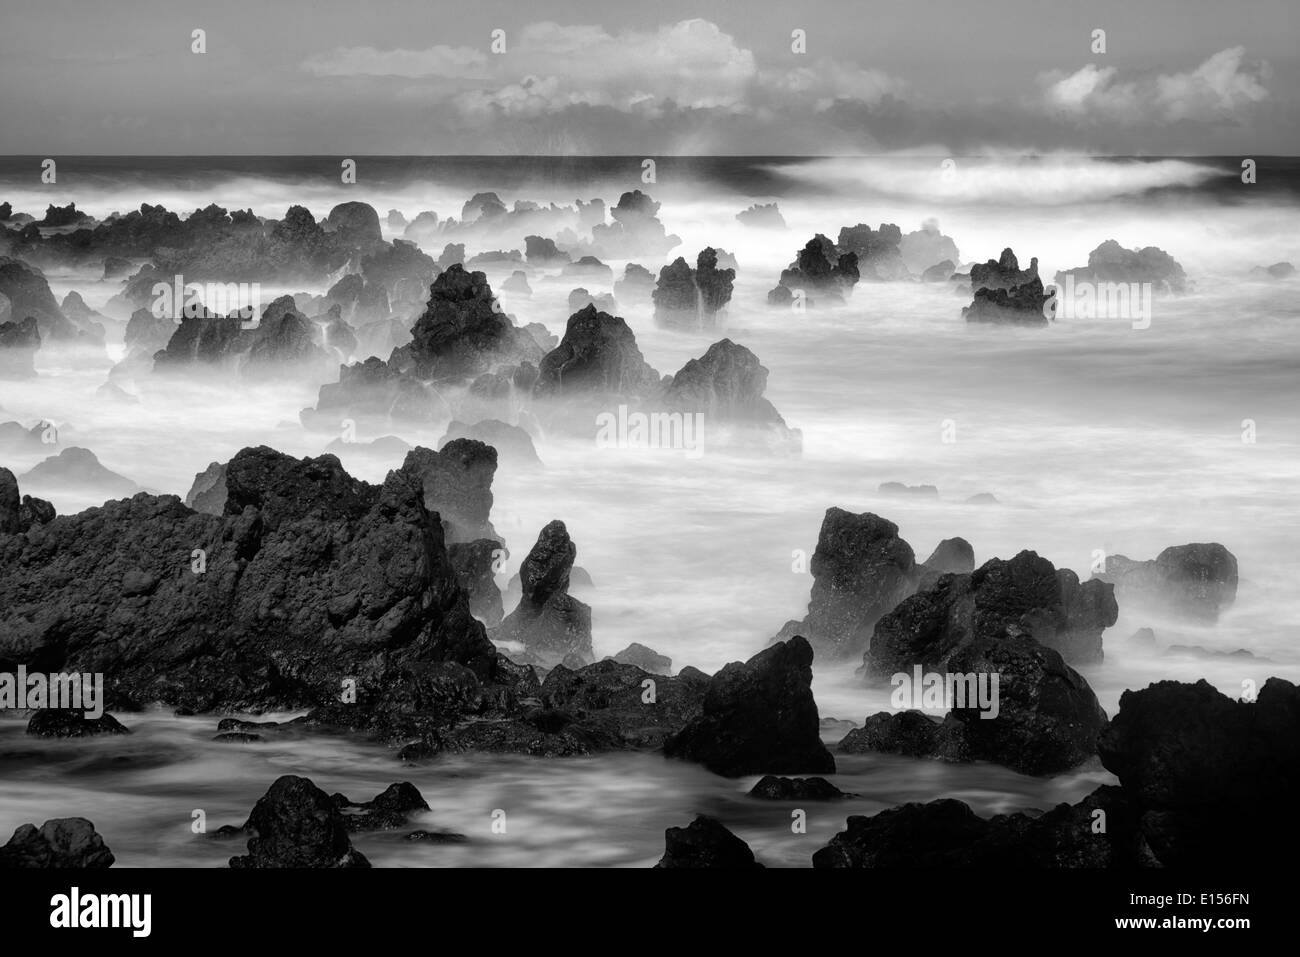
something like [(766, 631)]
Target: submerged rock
[(72, 723), (1193, 582), (387, 810), (773, 788)]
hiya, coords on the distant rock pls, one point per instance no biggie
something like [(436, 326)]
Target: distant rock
[(762, 216), (63, 843), (517, 284), (297, 825), (1282, 270), (78, 470), (589, 268), (514, 446), (599, 357), (1193, 582), (115, 267), (953, 555), (636, 285), (19, 342), (982, 498), (56, 216), (647, 659), (879, 257), (636, 230), (548, 621), (706, 843), (898, 488), (939, 272), (927, 249), (580, 298), (29, 296), (1111, 262), (759, 717), (395, 219)]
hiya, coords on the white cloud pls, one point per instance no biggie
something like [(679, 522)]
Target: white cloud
[(1215, 90), (549, 67)]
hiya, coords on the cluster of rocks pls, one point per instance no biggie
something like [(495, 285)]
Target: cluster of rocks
[(879, 257), (1205, 781), (821, 273), (1193, 582), (314, 590), (1004, 294)]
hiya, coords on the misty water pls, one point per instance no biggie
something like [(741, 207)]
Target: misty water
[(1091, 434)]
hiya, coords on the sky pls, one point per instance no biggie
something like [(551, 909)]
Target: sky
[(952, 77)]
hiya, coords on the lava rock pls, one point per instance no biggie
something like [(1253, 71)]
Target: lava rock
[(297, 825), (705, 843), (65, 842)]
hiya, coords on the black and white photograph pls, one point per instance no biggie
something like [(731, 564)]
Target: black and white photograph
[(680, 435)]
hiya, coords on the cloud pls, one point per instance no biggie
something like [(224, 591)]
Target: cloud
[(549, 68), (1216, 90)]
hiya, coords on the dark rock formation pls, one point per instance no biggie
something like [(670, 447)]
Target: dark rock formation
[(463, 331), (910, 733), (475, 564), (598, 356), (820, 273), (1111, 262), (309, 580), (635, 231), (726, 386), (759, 717), (947, 834), (1023, 596), (623, 703), (686, 298), (58, 216), (387, 810), (20, 514), (1213, 781), (549, 622), (297, 825), (357, 223), (1192, 582), (1004, 294), (861, 570), (705, 843), (65, 842)]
